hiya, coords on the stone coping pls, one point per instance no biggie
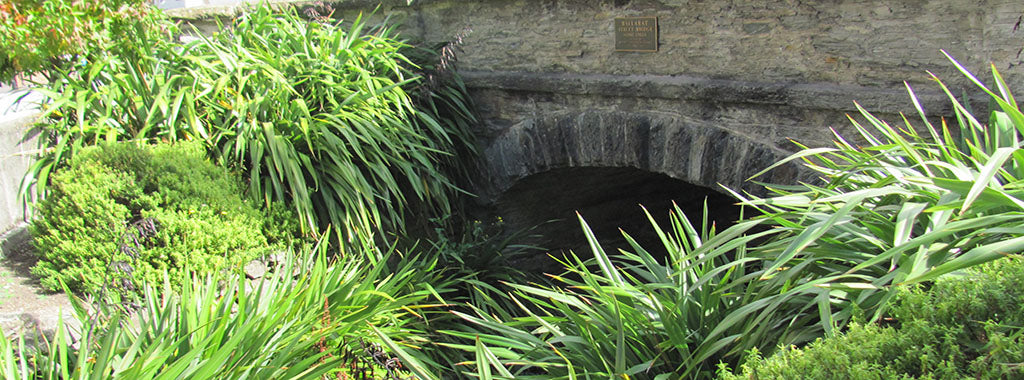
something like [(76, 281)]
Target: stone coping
[(198, 13), (824, 96)]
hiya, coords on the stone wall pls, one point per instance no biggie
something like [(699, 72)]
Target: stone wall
[(874, 43), (762, 72), (551, 89), (806, 61)]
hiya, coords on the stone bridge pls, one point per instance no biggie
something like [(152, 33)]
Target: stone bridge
[(704, 132), (569, 123), (600, 145)]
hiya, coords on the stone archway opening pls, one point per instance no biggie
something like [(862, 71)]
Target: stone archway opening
[(609, 199)]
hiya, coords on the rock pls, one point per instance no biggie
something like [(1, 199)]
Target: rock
[(255, 269), (276, 259)]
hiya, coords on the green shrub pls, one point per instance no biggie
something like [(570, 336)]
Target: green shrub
[(332, 119), (994, 291), (471, 262), (86, 223), (968, 326)]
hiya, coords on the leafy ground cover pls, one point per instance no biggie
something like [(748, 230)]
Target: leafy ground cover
[(966, 326), (152, 211), (223, 326)]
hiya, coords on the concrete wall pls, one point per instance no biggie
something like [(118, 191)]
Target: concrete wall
[(16, 151)]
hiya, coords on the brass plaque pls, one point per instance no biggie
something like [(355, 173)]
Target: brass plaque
[(636, 34)]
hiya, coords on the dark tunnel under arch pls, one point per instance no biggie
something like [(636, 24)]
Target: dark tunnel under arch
[(606, 163), (609, 199)]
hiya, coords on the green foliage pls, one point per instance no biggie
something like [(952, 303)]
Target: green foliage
[(969, 326), (323, 117), (85, 224), (223, 326), (43, 36), (471, 263), (902, 209), (320, 116), (862, 352), (896, 210), (85, 212), (632, 315), (314, 114), (993, 291), (110, 97), (479, 249)]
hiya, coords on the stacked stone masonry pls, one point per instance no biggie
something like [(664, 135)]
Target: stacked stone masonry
[(757, 73)]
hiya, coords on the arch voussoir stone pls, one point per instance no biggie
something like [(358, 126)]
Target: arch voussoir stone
[(684, 149)]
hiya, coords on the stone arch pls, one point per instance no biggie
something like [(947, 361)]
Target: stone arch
[(688, 150)]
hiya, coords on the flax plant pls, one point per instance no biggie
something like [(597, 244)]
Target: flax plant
[(309, 318), (902, 208), (630, 315), (319, 116), (105, 97), (905, 208), (331, 118)]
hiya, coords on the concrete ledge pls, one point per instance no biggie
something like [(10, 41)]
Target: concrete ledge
[(801, 95), (18, 112), (206, 12), (16, 155)]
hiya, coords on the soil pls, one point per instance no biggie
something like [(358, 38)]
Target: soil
[(25, 307)]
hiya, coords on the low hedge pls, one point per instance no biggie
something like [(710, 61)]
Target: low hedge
[(966, 326), (124, 209)]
